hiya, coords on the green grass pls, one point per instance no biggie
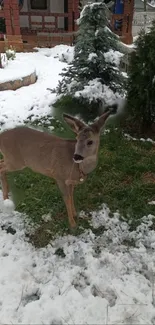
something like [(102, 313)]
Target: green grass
[(124, 180)]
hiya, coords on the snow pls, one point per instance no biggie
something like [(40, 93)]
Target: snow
[(95, 90), (16, 69), (89, 6), (152, 202), (91, 56), (8, 205), (37, 99), (99, 281), (150, 3), (65, 53), (113, 57), (104, 279), (129, 137)]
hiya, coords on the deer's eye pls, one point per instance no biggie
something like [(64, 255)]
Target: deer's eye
[(89, 143)]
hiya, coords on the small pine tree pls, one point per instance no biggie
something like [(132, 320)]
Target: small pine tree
[(91, 58), (141, 82)]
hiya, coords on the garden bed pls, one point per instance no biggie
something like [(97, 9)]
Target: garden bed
[(16, 75), (18, 83)]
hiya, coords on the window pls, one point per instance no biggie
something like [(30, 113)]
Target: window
[(2, 26), (38, 4)]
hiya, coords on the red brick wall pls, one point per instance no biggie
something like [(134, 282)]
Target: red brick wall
[(73, 14), (11, 12)]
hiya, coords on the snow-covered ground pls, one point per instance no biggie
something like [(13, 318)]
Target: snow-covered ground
[(99, 281), (16, 106), (102, 279)]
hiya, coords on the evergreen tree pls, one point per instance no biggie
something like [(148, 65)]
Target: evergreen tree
[(141, 81), (91, 60)]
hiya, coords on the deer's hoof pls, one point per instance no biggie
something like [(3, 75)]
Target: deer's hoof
[(76, 217), (73, 227)]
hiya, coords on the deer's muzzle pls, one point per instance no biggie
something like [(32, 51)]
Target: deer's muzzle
[(77, 158)]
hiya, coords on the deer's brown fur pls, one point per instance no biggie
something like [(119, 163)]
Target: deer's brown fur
[(67, 161)]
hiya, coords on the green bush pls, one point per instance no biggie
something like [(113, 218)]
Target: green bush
[(141, 82)]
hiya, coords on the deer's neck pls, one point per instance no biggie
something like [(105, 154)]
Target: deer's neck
[(88, 164)]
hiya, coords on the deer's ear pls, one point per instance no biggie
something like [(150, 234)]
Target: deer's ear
[(75, 124), (99, 124)]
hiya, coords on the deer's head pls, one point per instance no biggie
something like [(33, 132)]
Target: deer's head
[(88, 136)]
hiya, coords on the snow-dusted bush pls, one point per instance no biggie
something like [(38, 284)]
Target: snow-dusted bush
[(95, 66), (67, 55), (10, 53)]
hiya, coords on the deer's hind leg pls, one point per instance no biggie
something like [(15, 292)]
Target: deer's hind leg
[(5, 186), (4, 181), (5, 167), (68, 199)]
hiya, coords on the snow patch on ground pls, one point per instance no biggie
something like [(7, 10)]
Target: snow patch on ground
[(152, 202), (129, 137), (101, 280), (16, 70), (65, 53), (16, 106)]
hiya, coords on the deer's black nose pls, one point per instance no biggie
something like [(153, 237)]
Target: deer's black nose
[(77, 158)]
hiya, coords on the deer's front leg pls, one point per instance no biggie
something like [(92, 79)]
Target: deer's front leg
[(67, 196), (72, 200)]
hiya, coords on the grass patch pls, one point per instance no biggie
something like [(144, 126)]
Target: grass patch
[(124, 180)]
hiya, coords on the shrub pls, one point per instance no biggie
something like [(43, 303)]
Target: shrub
[(141, 82), (93, 75)]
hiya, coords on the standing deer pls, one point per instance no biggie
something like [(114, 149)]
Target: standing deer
[(67, 161)]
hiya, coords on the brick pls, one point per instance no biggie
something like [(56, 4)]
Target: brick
[(16, 13), (16, 22), (7, 14), (14, 3), (8, 22), (6, 6), (8, 29), (14, 38), (2, 46), (17, 30)]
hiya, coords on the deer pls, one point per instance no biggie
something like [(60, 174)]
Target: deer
[(67, 161)]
